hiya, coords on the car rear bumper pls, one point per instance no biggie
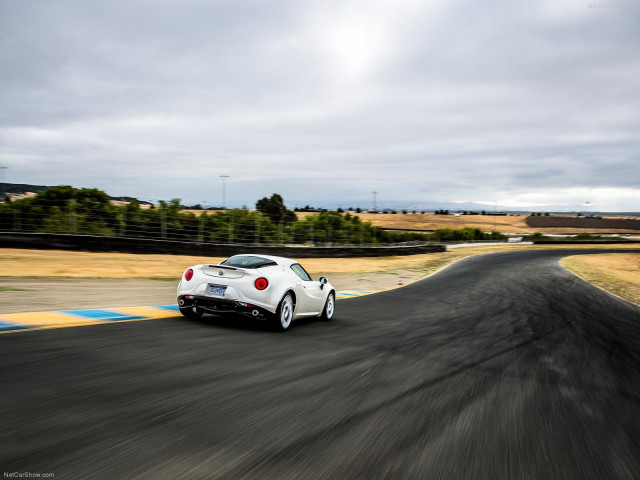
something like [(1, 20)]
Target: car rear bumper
[(221, 306)]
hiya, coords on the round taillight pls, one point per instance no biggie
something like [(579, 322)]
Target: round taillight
[(188, 275), (261, 283)]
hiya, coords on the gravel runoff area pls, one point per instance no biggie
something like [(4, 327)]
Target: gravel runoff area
[(44, 294)]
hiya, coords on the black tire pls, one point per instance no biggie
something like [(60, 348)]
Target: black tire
[(284, 315), (329, 308), (190, 312)]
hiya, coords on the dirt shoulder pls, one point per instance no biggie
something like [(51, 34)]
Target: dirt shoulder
[(50, 294), (618, 273)]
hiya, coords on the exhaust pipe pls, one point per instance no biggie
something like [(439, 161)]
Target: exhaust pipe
[(181, 302), (255, 313)]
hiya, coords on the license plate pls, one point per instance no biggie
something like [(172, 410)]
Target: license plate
[(217, 290)]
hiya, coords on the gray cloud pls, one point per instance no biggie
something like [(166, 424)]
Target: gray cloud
[(324, 101)]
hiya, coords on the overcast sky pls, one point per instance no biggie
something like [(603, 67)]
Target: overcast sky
[(520, 102)]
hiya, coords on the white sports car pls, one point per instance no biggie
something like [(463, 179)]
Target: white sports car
[(261, 286)]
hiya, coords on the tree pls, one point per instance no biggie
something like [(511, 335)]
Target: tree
[(275, 209)]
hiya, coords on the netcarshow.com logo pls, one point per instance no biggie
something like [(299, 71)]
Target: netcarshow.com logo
[(27, 475)]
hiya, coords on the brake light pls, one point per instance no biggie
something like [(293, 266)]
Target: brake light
[(261, 283), (188, 275)]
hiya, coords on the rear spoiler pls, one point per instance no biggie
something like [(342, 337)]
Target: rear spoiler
[(225, 267)]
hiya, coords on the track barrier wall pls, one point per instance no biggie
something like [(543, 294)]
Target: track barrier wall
[(52, 241)]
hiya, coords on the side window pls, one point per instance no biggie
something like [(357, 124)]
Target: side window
[(301, 272)]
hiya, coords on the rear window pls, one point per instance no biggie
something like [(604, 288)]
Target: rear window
[(248, 261)]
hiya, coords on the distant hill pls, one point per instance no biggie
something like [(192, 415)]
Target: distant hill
[(428, 205), (23, 188)]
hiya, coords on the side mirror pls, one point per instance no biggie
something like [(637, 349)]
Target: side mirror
[(322, 281)]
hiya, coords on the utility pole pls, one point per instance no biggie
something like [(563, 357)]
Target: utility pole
[(375, 209), (2, 187), (587, 204), (495, 213), (224, 191)]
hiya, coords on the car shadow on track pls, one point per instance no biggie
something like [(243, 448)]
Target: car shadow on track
[(241, 322)]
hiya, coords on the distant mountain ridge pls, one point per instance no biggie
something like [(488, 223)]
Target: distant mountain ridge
[(21, 188), (24, 188), (460, 207)]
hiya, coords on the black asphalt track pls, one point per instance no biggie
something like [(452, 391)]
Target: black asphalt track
[(500, 366)]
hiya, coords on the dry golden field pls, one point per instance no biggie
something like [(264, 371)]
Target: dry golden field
[(487, 223), (430, 221), (618, 273), (69, 264)]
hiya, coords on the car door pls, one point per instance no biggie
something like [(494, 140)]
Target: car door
[(310, 295), (315, 296)]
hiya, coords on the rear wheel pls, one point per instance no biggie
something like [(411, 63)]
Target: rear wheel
[(190, 312), (284, 315), (329, 307)]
